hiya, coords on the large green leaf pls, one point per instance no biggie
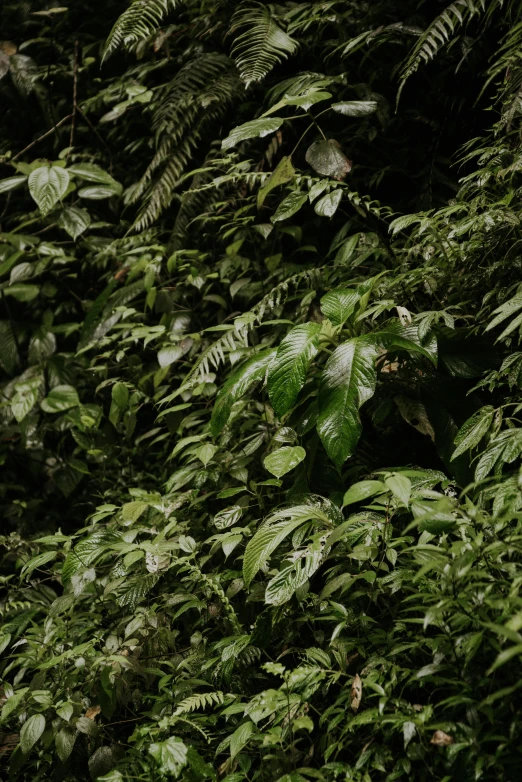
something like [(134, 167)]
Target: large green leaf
[(48, 185), (284, 459), (284, 172), (287, 373), (11, 183), (274, 530), (31, 731), (170, 756), (236, 386), (257, 128), (60, 398), (339, 304), (75, 221), (348, 381), (355, 108)]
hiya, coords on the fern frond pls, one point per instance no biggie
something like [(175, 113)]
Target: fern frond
[(188, 108), (440, 33), (139, 21), (199, 701), (260, 43)]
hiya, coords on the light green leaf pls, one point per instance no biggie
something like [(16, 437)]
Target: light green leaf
[(236, 386), (74, 220), (284, 172), (348, 381), (284, 459), (327, 206), (48, 185), (473, 430), (289, 206), (59, 399), (170, 756), (22, 292), (400, 487), (355, 108), (93, 173), (291, 578), (257, 128), (205, 453), (328, 159), (37, 562), (5, 640), (287, 374), (168, 355), (99, 192), (31, 731), (11, 182), (339, 304), (12, 703), (362, 490)]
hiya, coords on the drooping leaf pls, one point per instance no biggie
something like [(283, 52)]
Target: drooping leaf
[(284, 459), (236, 386), (348, 381), (287, 373), (48, 185), (284, 172), (74, 220), (99, 192), (327, 158)]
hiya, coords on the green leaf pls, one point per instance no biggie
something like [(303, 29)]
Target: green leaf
[(12, 703), (400, 487), (37, 562), (205, 453), (59, 399), (339, 304), (239, 738), (11, 182), (93, 173), (355, 108), (362, 490), (257, 128), (5, 640), (327, 206), (473, 430), (48, 185), (284, 172), (236, 386), (99, 192), (229, 517), (22, 292), (289, 206), (31, 731), (291, 578), (168, 355), (273, 531), (287, 373), (284, 459), (170, 756), (348, 381), (64, 742), (74, 220), (9, 358), (328, 159)]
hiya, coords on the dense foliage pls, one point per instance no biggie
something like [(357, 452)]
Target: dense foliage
[(260, 434)]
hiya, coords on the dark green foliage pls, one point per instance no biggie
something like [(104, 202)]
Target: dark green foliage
[(260, 426)]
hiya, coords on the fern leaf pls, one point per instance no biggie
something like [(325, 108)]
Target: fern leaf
[(139, 21), (260, 43), (199, 701), (440, 33)]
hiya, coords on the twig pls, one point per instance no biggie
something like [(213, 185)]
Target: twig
[(41, 138), (75, 92), (89, 123)]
